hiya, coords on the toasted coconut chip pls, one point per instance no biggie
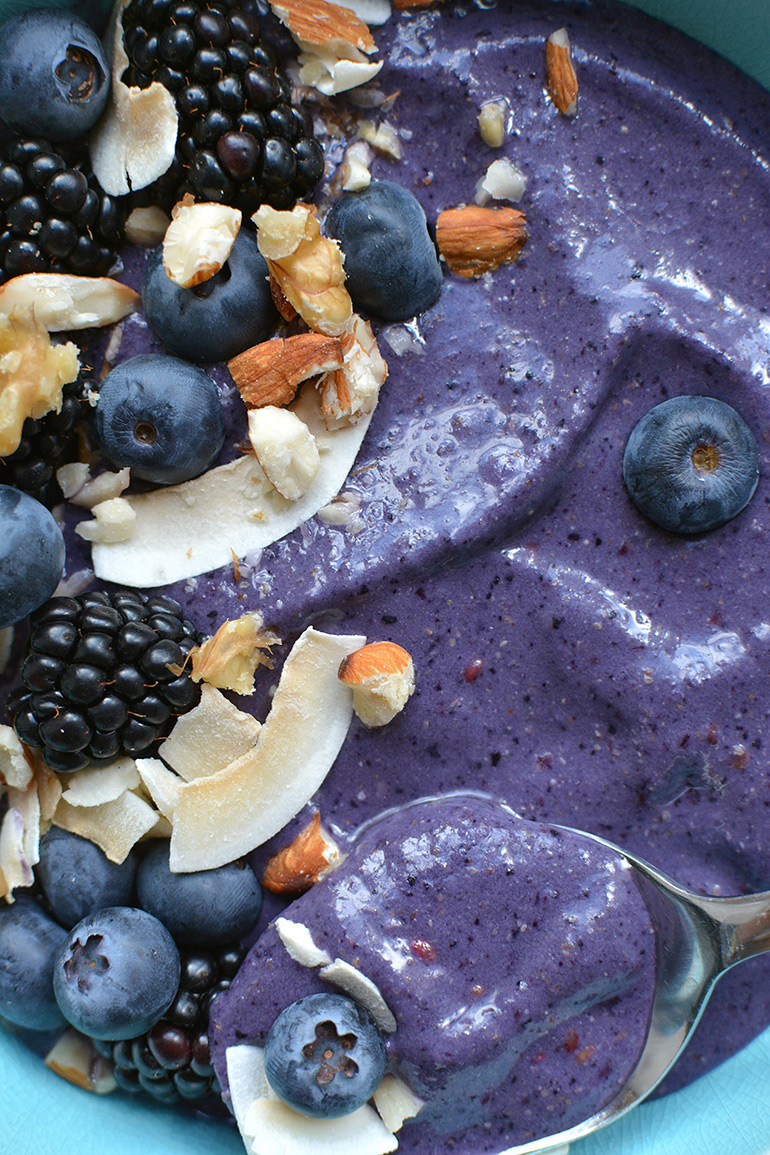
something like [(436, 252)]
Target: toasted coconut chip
[(228, 814), (246, 1079), (396, 1102), (73, 1058), (134, 142), (49, 792), (209, 737), (270, 1126), (162, 786), (28, 805), (189, 529), (307, 860), (32, 373), (300, 945), (199, 240), (15, 868), (114, 826), (307, 266), (351, 980), (98, 784), (229, 660), (15, 770), (163, 828), (63, 301), (146, 226)]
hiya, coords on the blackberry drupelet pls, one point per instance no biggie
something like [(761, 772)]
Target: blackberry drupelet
[(241, 140), (99, 678), (46, 444), (171, 1061), (54, 216)]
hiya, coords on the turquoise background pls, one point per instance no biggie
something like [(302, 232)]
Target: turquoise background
[(724, 1113)]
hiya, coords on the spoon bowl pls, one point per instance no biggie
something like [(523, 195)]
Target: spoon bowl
[(697, 939)]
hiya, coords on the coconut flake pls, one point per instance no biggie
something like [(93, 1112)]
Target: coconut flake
[(246, 1079), (396, 1102), (209, 737), (98, 784), (162, 786), (221, 817), (15, 868), (300, 945), (15, 770), (271, 1127), (356, 984), (114, 826)]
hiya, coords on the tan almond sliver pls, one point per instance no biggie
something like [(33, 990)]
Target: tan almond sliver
[(475, 240), (270, 373), (562, 80)]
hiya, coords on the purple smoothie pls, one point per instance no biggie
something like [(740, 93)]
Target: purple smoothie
[(519, 963), (572, 659)]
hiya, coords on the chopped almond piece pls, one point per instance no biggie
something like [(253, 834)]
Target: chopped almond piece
[(474, 240), (269, 374), (562, 81), (352, 391), (399, 4), (284, 307), (324, 25), (381, 676), (309, 858)]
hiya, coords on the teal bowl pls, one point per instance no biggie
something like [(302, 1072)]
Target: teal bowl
[(726, 1112)]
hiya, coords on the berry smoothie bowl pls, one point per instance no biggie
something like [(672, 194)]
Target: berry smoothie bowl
[(383, 469)]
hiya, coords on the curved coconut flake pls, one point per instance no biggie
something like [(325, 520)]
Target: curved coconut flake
[(15, 770), (161, 785), (226, 815), (15, 867), (356, 984), (134, 142), (188, 529), (271, 1127), (300, 944), (114, 826), (396, 1102), (208, 738), (98, 784), (62, 301), (246, 1079)]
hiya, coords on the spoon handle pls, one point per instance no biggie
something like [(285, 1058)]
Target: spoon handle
[(744, 925)]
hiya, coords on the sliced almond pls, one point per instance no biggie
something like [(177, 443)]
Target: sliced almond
[(98, 784), (381, 676), (308, 859), (396, 1102), (62, 301), (356, 174), (209, 737), (307, 266), (95, 490), (146, 226), (15, 770), (351, 392), (382, 137), (134, 142), (270, 373), (189, 529), (113, 522), (562, 80), (230, 658), (331, 74), (286, 450), (271, 1126), (32, 373), (162, 786), (199, 240), (73, 1057), (300, 944), (361, 988), (316, 23), (226, 815), (114, 826), (474, 240)]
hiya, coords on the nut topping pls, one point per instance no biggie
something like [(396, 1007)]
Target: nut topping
[(309, 858), (562, 81), (475, 240), (269, 373), (381, 676)]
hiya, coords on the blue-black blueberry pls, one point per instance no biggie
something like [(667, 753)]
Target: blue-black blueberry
[(203, 907), (29, 943), (324, 1056), (32, 555), (117, 973), (161, 417), (391, 265), (691, 464), (220, 317), (77, 878), (54, 77)]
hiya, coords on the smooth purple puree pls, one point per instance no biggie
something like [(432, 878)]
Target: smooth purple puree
[(573, 661), (517, 960)]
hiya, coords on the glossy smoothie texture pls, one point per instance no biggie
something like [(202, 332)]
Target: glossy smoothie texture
[(517, 960)]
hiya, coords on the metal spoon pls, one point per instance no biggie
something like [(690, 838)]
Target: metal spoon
[(697, 940)]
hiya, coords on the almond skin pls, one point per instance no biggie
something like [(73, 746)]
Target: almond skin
[(309, 858), (562, 81), (475, 240), (270, 373)]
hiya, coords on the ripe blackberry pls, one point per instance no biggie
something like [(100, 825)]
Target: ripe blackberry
[(54, 217), (46, 444), (241, 140), (99, 678), (171, 1061)]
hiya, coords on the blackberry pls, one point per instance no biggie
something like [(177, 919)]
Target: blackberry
[(46, 444), (54, 217), (241, 140), (171, 1061), (99, 677)]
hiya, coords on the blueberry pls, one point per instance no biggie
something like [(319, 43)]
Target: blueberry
[(31, 555), (29, 943), (691, 464), (219, 318), (54, 78), (161, 417), (324, 1056), (77, 878), (117, 973), (391, 263), (202, 908)]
